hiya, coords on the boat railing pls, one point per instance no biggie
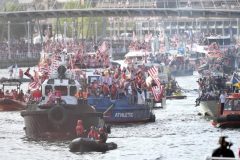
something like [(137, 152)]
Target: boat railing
[(221, 158), (97, 99)]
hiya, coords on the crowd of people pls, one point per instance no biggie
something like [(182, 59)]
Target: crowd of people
[(18, 50), (210, 87), (115, 82), (13, 94)]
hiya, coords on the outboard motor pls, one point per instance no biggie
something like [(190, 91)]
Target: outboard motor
[(61, 72)]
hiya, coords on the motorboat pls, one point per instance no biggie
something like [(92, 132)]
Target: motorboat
[(231, 113), (89, 145), (10, 101), (57, 118)]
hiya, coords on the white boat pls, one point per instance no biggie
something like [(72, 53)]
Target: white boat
[(136, 58), (209, 108)]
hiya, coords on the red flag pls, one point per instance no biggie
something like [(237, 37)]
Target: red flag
[(153, 72), (157, 92), (33, 85)]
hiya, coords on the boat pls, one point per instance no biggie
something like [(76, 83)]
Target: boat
[(136, 58), (176, 96), (57, 119), (10, 102), (208, 108), (120, 109), (231, 113), (173, 90), (89, 145), (208, 99), (22, 80), (180, 66)]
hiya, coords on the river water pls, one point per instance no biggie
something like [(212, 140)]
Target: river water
[(179, 133)]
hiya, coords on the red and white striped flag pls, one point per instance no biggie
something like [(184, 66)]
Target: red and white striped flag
[(153, 72), (43, 68), (34, 85), (157, 92)]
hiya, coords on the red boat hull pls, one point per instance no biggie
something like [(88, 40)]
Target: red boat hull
[(11, 105)]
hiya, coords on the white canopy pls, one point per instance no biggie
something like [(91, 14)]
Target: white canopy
[(139, 53)]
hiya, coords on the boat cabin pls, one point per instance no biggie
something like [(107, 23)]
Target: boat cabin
[(232, 104), (12, 83), (137, 57), (63, 84), (220, 40)]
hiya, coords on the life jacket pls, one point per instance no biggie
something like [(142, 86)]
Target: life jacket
[(79, 129), (113, 91), (93, 134), (105, 89), (79, 94), (37, 95)]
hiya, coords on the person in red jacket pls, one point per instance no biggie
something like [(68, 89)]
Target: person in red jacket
[(79, 128), (93, 133)]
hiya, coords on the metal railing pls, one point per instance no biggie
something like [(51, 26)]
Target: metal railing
[(195, 4)]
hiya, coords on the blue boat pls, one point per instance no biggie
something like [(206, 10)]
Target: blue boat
[(120, 111)]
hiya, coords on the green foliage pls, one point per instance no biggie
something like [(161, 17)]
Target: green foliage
[(11, 6), (85, 26), (17, 26)]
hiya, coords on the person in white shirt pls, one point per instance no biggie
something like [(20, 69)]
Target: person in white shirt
[(222, 99)]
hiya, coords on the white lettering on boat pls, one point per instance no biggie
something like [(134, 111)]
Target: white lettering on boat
[(123, 115)]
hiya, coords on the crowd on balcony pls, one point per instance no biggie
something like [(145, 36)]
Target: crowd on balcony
[(18, 50)]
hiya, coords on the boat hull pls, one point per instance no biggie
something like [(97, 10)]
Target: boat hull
[(11, 105), (209, 108), (58, 122), (176, 97), (228, 121), (120, 112), (88, 145), (161, 103)]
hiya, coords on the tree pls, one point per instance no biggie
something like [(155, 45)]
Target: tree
[(84, 26), (18, 26)]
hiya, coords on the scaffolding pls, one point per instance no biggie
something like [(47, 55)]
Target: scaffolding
[(25, 5)]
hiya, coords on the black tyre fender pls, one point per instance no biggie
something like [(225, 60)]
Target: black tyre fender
[(57, 115), (152, 118), (108, 129)]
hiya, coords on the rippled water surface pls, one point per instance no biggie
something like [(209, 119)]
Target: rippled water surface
[(178, 134)]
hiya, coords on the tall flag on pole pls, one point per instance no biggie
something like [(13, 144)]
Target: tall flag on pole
[(158, 89), (153, 72)]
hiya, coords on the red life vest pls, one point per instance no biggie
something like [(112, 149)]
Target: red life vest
[(105, 89), (93, 134), (79, 128)]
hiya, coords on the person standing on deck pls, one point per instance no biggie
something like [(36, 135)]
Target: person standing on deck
[(222, 99)]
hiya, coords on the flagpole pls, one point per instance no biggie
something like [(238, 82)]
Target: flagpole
[(9, 40)]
